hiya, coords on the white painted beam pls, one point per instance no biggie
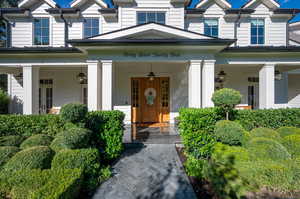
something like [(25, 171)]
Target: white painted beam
[(94, 85), (107, 84), (208, 83), (267, 86), (31, 82), (194, 77)]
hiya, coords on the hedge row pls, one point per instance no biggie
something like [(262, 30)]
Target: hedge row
[(205, 119), (27, 125)]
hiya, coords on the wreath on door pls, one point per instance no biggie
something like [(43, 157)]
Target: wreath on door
[(150, 94)]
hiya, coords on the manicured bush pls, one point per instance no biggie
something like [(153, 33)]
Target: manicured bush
[(107, 127), (194, 166), (286, 131), (264, 148), (266, 133), (27, 125), (4, 102), (226, 99), (63, 184), (6, 152), (292, 144), (12, 140), (74, 112), (198, 144), (33, 158), (86, 159), (270, 118), (192, 119), (36, 140), (230, 133), (72, 138), (225, 151)]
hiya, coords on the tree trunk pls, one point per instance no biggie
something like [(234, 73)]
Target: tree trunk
[(227, 115)]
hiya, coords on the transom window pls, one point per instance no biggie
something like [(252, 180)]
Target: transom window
[(91, 27), (41, 31), (257, 31), (211, 27), (147, 17)]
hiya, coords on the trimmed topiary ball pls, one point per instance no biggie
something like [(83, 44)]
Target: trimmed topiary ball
[(74, 112), (230, 133), (286, 131), (266, 133), (12, 140), (86, 159), (292, 143), (73, 138), (36, 140), (33, 158), (6, 152), (225, 151), (264, 148)]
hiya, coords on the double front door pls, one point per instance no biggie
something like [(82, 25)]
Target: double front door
[(150, 100), (45, 96)]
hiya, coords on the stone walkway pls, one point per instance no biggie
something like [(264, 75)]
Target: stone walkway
[(147, 172)]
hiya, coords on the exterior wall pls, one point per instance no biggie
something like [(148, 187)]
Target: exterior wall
[(15, 90), (178, 84), (294, 90)]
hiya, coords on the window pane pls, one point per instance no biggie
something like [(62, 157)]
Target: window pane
[(45, 23), (261, 31), (45, 31), (141, 18), (161, 18), (45, 41), (95, 23), (151, 17), (253, 40), (215, 32), (253, 31), (261, 40), (211, 27), (41, 31)]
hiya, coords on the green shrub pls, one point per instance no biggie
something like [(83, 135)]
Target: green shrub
[(12, 140), (63, 184), (226, 99), (265, 132), (230, 133), (74, 112), (192, 119), (286, 131), (33, 158), (225, 151), (86, 159), (292, 143), (27, 125), (264, 148), (198, 144), (73, 138), (4, 102), (269, 118), (6, 152), (36, 140), (194, 166), (107, 127)]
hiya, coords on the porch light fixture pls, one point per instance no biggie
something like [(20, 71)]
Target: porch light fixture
[(81, 77), (278, 75), (222, 76), (151, 75)]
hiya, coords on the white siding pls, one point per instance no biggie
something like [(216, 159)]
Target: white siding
[(16, 93), (58, 33), (21, 33), (294, 90), (76, 29)]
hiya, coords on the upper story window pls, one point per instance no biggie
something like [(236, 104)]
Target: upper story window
[(147, 17), (41, 31), (91, 27), (257, 31), (211, 27)]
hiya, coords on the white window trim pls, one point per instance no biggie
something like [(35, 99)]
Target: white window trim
[(166, 10), (265, 32), (50, 30), (215, 18)]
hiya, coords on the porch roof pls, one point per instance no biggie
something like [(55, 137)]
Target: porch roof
[(257, 49), (38, 50)]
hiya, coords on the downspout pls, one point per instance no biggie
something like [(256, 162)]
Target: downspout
[(288, 28), (66, 28), (235, 28)]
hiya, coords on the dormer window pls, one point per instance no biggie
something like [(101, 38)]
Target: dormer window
[(257, 31), (41, 31), (211, 27), (91, 27), (147, 17)]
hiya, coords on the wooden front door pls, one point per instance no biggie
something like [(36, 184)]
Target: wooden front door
[(150, 100)]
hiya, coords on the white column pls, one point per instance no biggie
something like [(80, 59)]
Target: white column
[(194, 76), (94, 85), (208, 83), (267, 86), (31, 84), (107, 84)]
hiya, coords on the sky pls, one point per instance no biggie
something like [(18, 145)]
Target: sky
[(235, 4)]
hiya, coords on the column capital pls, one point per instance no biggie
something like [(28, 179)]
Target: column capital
[(92, 61), (106, 61), (209, 61), (269, 65), (195, 61)]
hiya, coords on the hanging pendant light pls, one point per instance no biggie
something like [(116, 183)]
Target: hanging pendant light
[(278, 75), (151, 75), (82, 78)]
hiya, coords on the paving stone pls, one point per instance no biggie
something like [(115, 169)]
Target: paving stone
[(149, 172)]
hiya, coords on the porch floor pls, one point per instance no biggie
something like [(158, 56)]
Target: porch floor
[(166, 134)]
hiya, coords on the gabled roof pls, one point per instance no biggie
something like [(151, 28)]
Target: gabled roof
[(270, 3), (147, 30), (78, 3), (223, 3), (29, 3)]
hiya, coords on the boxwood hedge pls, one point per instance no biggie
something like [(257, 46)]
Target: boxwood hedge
[(266, 133), (36, 140), (6, 152), (286, 131), (11, 140)]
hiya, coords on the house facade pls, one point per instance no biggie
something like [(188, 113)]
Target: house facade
[(148, 58)]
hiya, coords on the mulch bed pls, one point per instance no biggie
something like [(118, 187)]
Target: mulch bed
[(204, 190)]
